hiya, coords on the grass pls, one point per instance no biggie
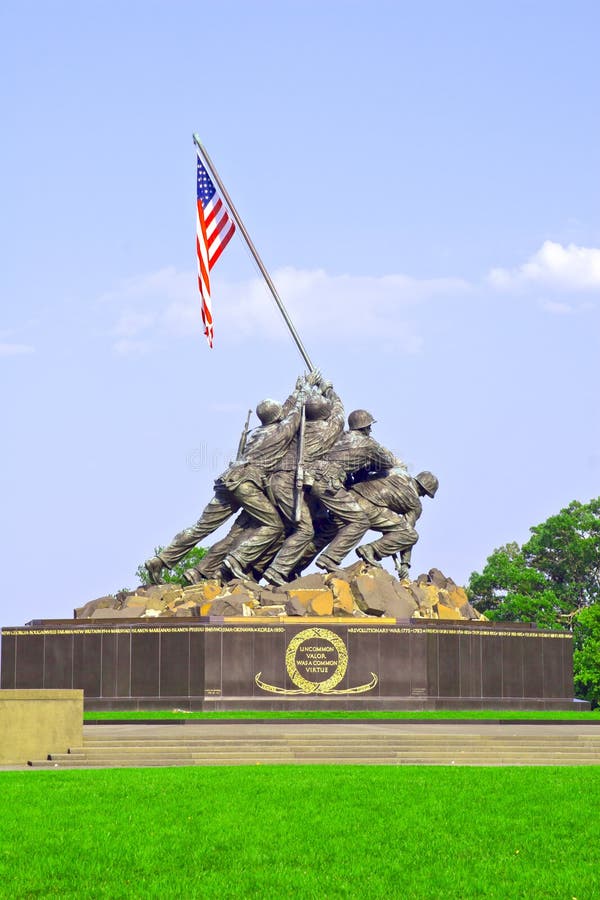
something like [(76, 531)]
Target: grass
[(306, 832), (495, 714)]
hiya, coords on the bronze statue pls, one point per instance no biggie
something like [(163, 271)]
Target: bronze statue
[(304, 488)]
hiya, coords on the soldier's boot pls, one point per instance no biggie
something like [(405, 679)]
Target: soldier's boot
[(154, 567), (368, 555), (328, 565), (233, 566), (273, 577), (193, 576)]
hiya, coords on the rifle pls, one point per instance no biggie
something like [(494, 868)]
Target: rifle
[(244, 437), (300, 467)]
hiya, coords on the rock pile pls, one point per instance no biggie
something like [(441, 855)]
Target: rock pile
[(358, 590)]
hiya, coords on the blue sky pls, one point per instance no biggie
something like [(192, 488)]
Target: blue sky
[(421, 181)]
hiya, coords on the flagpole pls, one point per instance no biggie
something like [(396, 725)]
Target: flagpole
[(254, 253)]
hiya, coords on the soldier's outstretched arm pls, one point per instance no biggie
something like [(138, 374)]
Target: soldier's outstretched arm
[(303, 384), (380, 457), (335, 422), (413, 512)]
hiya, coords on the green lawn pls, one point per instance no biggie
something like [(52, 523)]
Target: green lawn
[(302, 832), (342, 714)]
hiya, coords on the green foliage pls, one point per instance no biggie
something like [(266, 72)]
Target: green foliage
[(422, 715), (559, 567), (586, 656), (174, 575), (553, 580), (543, 609), (566, 549)]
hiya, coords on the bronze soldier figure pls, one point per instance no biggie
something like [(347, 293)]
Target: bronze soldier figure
[(354, 451), (325, 474), (324, 423), (392, 505)]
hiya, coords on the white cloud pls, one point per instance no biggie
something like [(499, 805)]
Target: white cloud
[(317, 302), (16, 349), (127, 347), (553, 266), (132, 322), (557, 308), (167, 283)]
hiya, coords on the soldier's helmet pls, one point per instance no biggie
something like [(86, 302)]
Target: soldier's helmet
[(269, 411), (360, 418), (317, 407), (428, 482)]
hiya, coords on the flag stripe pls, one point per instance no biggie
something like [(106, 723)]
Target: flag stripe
[(214, 230), (211, 210), (202, 242), (203, 273), (224, 241), (214, 239)]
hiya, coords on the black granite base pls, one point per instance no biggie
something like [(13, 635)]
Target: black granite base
[(301, 664)]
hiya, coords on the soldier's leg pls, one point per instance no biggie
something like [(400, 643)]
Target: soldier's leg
[(212, 564), (396, 539), (220, 508), (268, 528), (325, 530), (295, 544), (353, 522), (397, 535), (260, 565)]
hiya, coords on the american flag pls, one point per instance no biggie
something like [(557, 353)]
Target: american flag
[(214, 230)]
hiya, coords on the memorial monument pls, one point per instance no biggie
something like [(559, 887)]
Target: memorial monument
[(249, 628)]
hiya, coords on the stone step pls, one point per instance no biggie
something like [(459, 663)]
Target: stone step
[(322, 760), (396, 745), (341, 756), (335, 749), (388, 745), (329, 751), (364, 759), (330, 747), (251, 758)]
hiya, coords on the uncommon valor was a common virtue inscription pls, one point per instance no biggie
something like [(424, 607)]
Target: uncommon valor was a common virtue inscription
[(316, 661)]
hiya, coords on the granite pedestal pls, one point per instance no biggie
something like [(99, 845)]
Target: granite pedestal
[(293, 663)]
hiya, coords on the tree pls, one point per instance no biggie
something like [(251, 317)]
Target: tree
[(586, 655), (505, 578), (566, 548), (174, 575), (552, 576), (553, 580)]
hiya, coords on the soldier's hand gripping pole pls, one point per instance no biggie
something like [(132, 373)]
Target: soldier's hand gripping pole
[(244, 437), (300, 466)]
